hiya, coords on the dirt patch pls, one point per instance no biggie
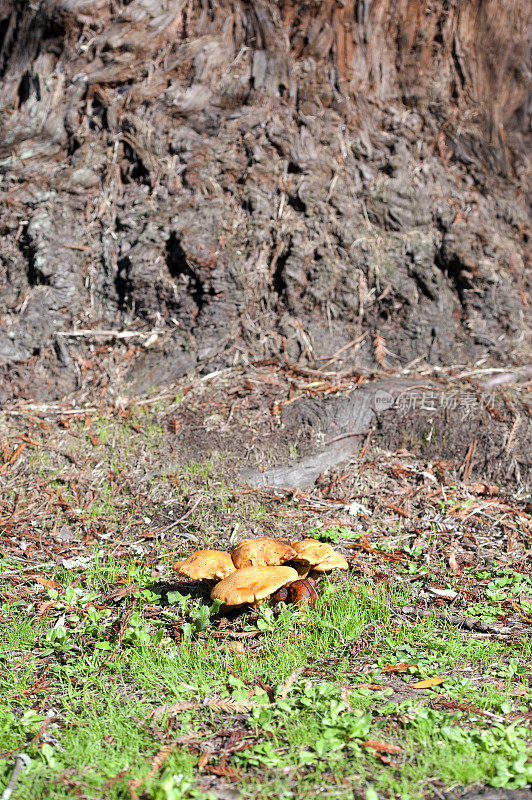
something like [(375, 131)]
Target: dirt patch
[(216, 433), (277, 429)]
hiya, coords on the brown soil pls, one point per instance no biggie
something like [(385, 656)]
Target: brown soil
[(274, 428), (242, 425)]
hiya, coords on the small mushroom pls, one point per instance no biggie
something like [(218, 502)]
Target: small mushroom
[(262, 553), (302, 593), (206, 565), (317, 556), (281, 595), (252, 584)]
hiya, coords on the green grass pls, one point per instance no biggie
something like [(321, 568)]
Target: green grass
[(101, 691), (80, 675)]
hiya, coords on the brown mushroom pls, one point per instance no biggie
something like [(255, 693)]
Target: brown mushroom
[(262, 553), (281, 595), (302, 593), (208, 565), (317, 556), (252, 584)]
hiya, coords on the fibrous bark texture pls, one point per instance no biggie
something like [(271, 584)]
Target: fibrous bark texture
[(257, 179)]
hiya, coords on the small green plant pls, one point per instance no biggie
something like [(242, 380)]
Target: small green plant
[(487, 612), (413, 550), (265, 620), (200, 619), (58, 639), (177, 787), (333, 534), (138, 633), (508, 583)]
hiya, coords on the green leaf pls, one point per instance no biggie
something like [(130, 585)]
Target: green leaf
[(47, 753), (180, 599)]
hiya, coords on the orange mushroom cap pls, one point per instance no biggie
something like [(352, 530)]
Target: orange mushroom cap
[(252, 584), (206, 565), (318, 556), (262, 553)]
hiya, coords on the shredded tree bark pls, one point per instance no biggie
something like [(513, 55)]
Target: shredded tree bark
[(261, 179)]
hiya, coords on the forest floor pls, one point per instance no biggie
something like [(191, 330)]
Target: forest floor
[(409, 679)]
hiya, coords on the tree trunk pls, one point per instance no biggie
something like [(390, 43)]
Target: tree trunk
[(260, 179)]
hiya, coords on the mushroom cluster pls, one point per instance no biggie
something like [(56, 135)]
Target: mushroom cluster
[(257, 569)]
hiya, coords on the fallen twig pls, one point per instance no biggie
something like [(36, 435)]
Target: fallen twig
[(110, 334), (316, 373), (21, 762), (334, 357)]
